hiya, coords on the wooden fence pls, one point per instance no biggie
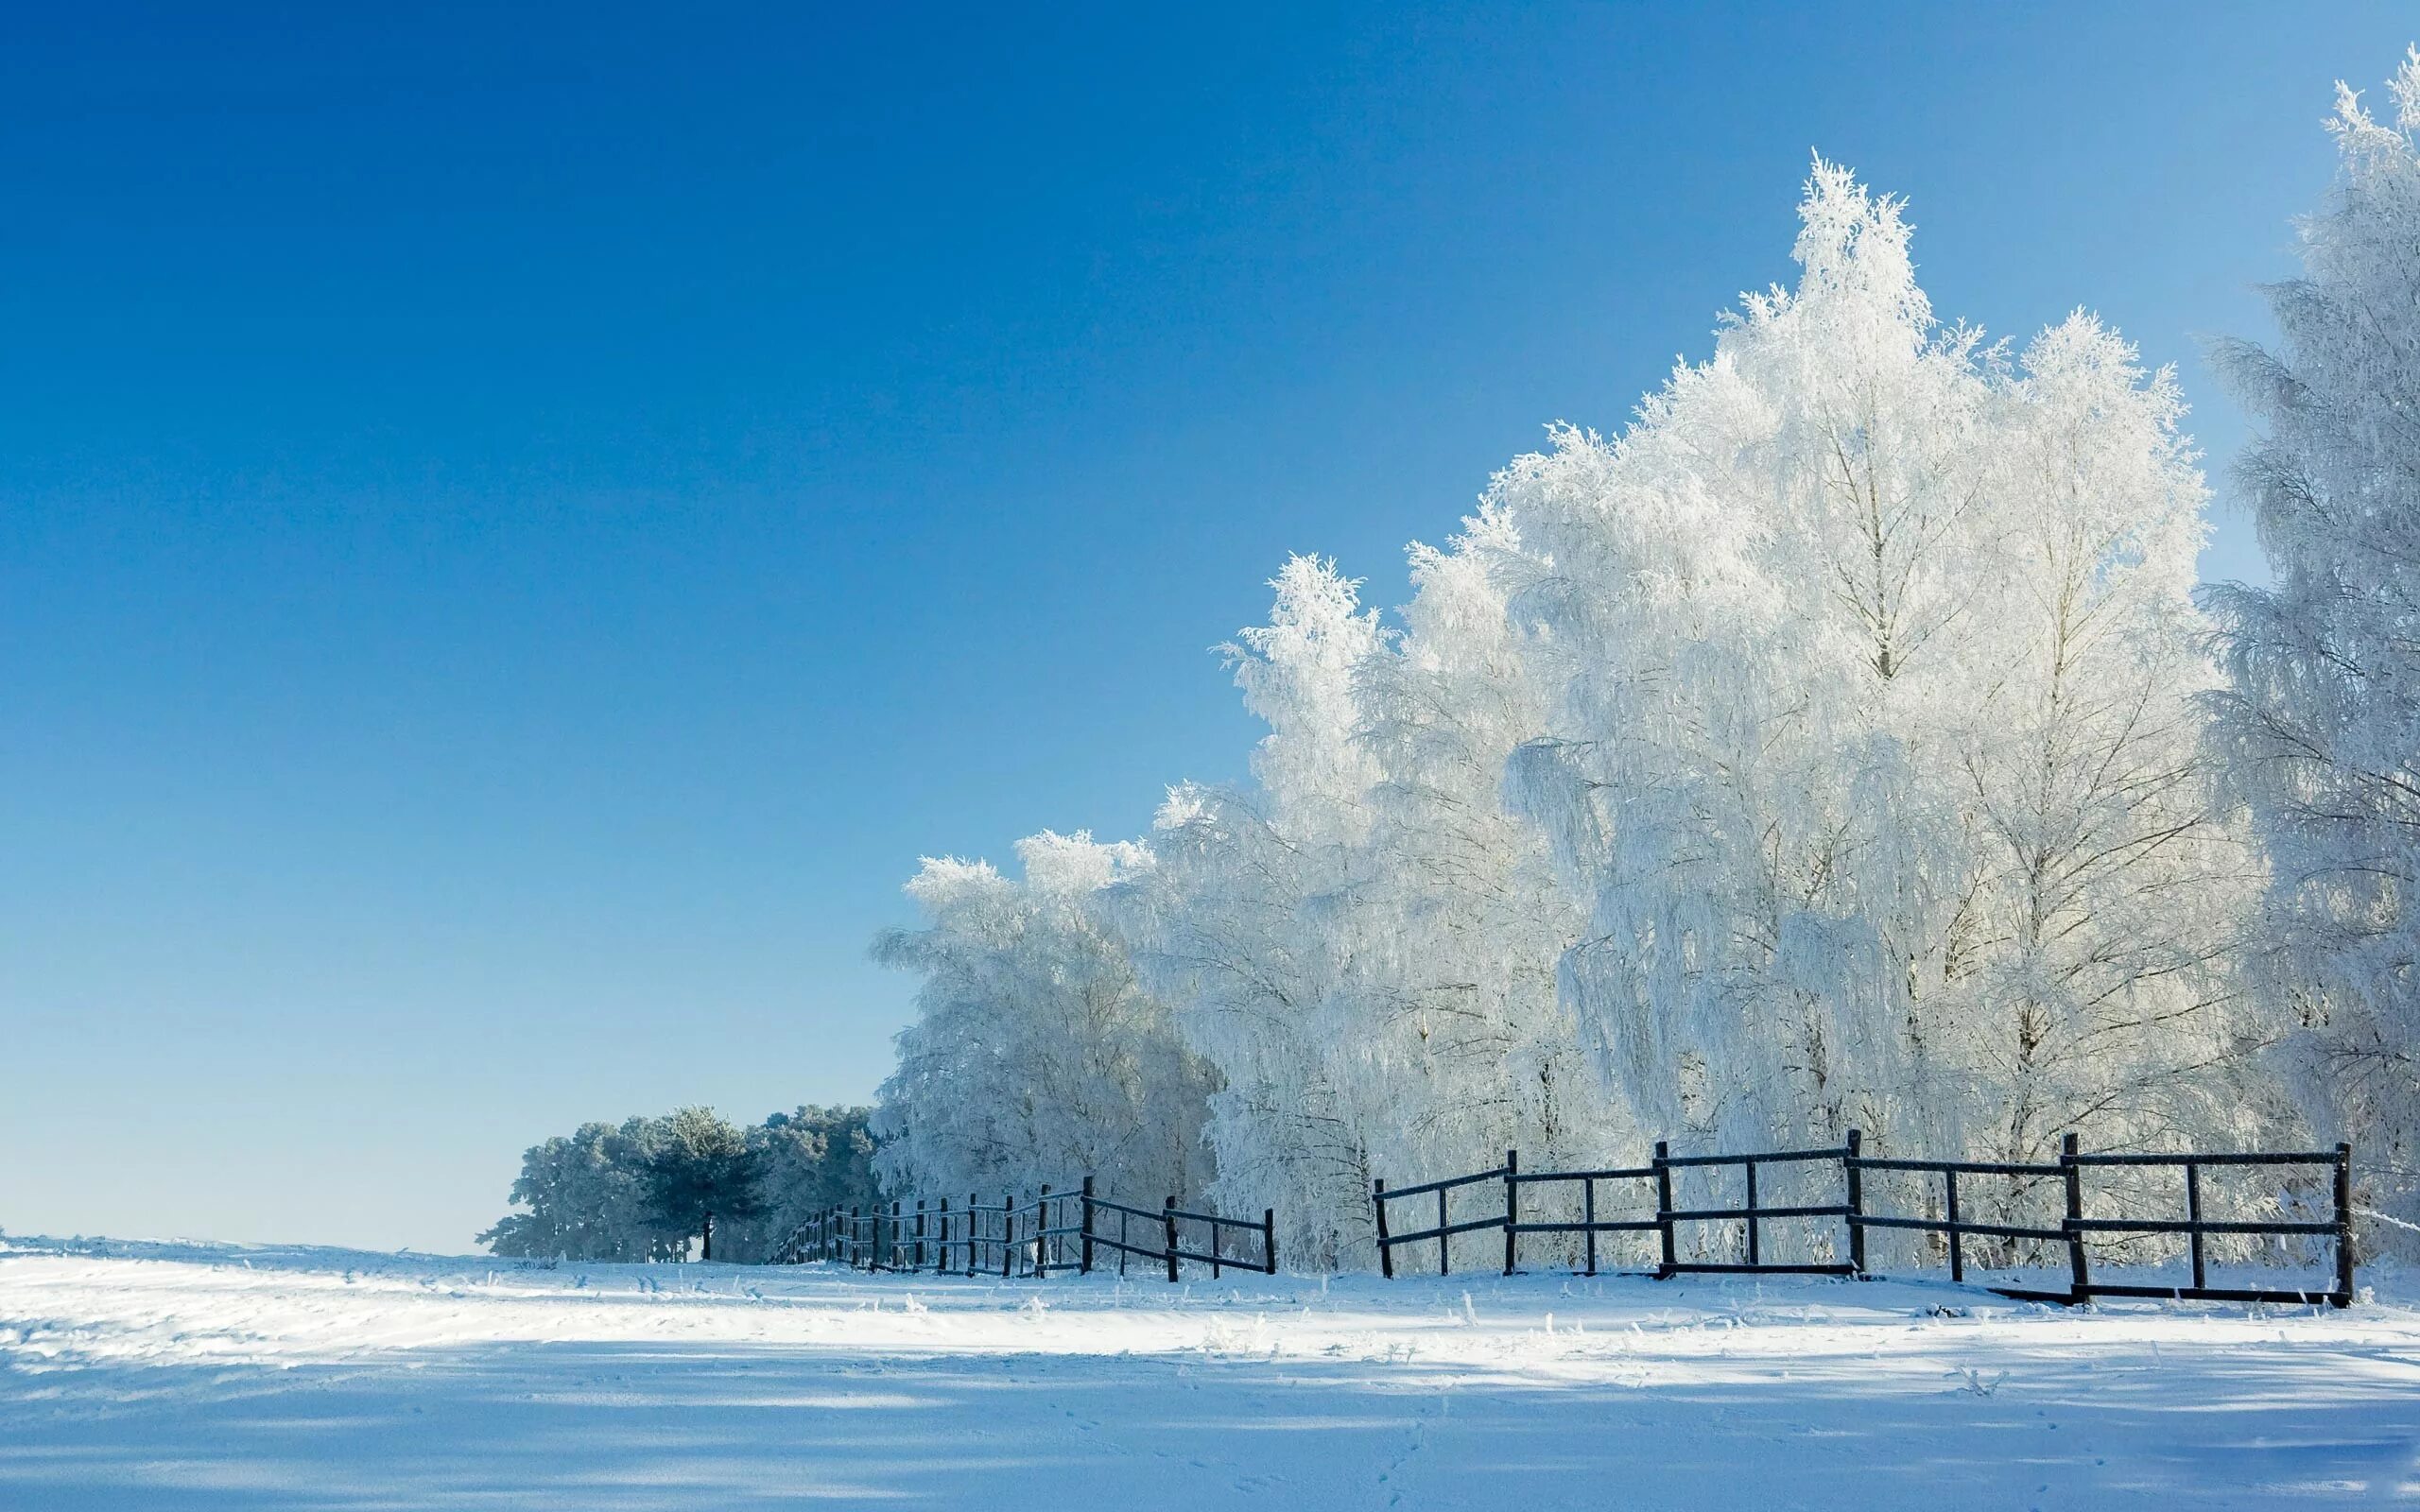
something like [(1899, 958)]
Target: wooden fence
[(2071, 1235), (1051, 1233)]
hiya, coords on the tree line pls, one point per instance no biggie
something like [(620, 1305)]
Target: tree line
[(1844, 743), (648, 1188)]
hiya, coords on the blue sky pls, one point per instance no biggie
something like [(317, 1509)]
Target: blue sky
[(516, 532)]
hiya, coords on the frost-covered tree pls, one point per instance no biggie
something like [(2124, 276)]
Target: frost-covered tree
[(2322, 713), (703, 1168), (590, 1196), (1363, 941), (1240, 923), (586, 1198), (1459, 949), (810, 1160), (1876, 757), (1036, 1055)]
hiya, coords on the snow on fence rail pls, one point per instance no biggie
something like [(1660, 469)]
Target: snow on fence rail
[(1035, 1237), (1855, 1213)]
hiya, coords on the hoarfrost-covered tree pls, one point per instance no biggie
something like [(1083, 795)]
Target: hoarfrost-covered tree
[(1241, 925), (590, 1196), (586, 1198), (810, 1160), (1462, 951), (703, 1168), (2321, 715), (1875, 756), (1036, 1055), (1363, 941)]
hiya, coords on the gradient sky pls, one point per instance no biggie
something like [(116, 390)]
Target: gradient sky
[(516, 533)]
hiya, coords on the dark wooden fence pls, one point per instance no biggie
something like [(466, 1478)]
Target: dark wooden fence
[(2069, 1237), (1050, 1233)]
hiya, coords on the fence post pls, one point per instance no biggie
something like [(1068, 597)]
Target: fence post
[(1755, 1251), (1957, 1240), (1663, 1207), (1168, 1211), (940, 1261), (1042, 1240), (1856, 1202), (1511, 1208), (1084, 1249), (1386, 1251), (1588, 1217), (916, 1259), (1444, 1240), (1269, 1239), (853, 1238), (1008, 1233), (2193, 1216), (2079, 1276), (2343, 1297), (974, 1231)]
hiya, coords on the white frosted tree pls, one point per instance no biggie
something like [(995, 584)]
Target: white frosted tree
[(1241, 925), (1036, 1055), (1463, 952), (1364, 940), (2322, 713), (584, 1198), (1876, 759)]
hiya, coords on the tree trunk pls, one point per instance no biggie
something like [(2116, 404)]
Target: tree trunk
[(707, 1252)]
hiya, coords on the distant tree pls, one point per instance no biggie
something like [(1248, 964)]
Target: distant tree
[(643, 1190), (704, 1168), (586, 1198), (815, 1159)]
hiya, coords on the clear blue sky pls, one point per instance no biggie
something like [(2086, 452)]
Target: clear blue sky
[(516, 533)]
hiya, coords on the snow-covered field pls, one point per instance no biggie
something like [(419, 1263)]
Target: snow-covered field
[(174, 1376)]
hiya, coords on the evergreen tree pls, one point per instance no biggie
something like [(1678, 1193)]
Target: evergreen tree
[(704, 1169)]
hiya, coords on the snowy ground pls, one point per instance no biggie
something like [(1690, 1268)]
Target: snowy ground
[(162, 1376)]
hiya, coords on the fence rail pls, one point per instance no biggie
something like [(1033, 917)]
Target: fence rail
[(2068, 1235), (1055, 1231)]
